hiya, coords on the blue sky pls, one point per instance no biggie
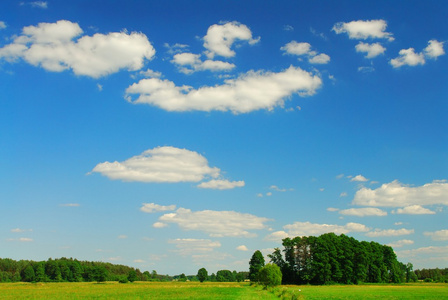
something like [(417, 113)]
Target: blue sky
[(175, 135)]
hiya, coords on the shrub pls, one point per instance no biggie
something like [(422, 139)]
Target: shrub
[(270, 275)]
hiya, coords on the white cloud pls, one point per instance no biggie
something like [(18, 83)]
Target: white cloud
[(408, 57), (242, 248), (401, 243), (277, 189), (395, 194), (220, 38), (366, 69), (363, 212), (150, 74), (371, 50), (194, 246), (161, 164), (22, 239), (434, 49), (159, 225), (389, 232), (440, 235), (332, 209), (276, 236), (314, 229), (139, 261), (288, 28), (414, 210), (70, 205), (122, 236), (216, 223), (343, 194), (359, 178), (432, 250), (52, 46), (19, 230), (249, 92), (39, 4), (299, 49), (362, 30), (219, 184), (2, 25), (152, 207), (100, 87), (320, 59), (189, 63)]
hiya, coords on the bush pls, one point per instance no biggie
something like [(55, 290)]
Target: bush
[(270, 275), (123, 280)]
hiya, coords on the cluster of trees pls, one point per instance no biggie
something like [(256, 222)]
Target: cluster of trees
[(330, 258), (71, 270), (221, 276), (267, 275), (430, 275)]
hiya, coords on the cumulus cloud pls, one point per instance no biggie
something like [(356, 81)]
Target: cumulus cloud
[(359, 178), (161, 164), (434, 49), (362, 30), (2, 25), (53, 47), (152, 207), (242, 248), (314, 229), (219, 184), (431, 250), (251, 91), (194, 246), (300, 49), (408, 57), (440, 235), (363, 212), (389, 232), (220, 38), (216, 223), (401, 243), (371, 50), (189, 63), (395, 194), (414, 210), (277, 236), (159, 225)]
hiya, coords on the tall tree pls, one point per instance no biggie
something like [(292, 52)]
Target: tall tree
[(255, 265), (202, 274)]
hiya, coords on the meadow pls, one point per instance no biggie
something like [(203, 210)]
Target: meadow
[(215, 290)]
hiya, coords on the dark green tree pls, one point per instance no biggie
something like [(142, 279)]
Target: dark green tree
[(132, 275), (28, 274), (99, 273), (202, 274), (255, 264)]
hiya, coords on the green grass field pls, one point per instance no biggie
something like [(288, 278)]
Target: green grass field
[(209, 290)]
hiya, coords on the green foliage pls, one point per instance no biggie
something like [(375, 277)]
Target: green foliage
[(132, 276), (28, 274), (255, 264), (225, 276), (330, 258), (202, 274), (270, 275)]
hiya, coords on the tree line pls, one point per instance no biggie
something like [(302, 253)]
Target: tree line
[(71, 270), (332, 258), (430, 275)]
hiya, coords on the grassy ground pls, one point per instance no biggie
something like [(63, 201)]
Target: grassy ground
[(214, 290), (136, 290), (372, 291)]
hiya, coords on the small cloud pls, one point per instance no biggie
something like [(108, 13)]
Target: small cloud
[(359, 178), (70, 205), (362, 30), (18, 230), (219, 184), (332, 209), (37, 4), (288, 28), (259, 195), (242, 248), (117, 258), (408, 57), (414, 210), (318, 34), (122, 236), (441, 235), (139, 261), (389, 232), (277, 189), (434, 49), (152, 207), (269, 194), (371, 50), (23, 239), (363, 212), (159, 225), (340, 176), (300, 49), (401, 243), (320, 59), (398, 223), (343, 194), (366, 69), (100, 87), (150, 74), (2, 25), (322, 189)]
